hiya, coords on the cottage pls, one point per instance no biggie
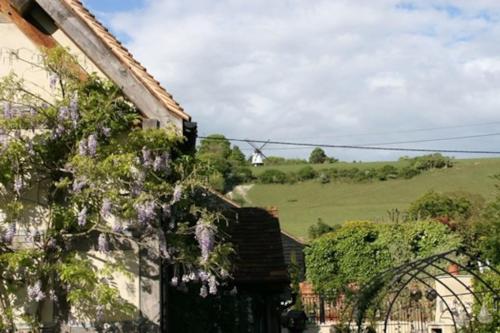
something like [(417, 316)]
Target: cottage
[(29, 26), (26, 27)]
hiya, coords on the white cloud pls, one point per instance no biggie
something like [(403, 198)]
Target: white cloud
[(318, 70), (387, 82), (483, 66)]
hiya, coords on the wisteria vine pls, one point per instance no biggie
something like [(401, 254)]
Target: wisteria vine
[(76, 168)]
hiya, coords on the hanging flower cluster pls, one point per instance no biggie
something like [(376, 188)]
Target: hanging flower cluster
[(98, 178), (205, 237)]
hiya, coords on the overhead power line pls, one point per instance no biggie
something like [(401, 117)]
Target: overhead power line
[(430, 140), (323, 145), (404, 142), (389, 132)]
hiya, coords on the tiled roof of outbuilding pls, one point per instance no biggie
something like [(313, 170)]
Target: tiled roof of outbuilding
[(256, 236)]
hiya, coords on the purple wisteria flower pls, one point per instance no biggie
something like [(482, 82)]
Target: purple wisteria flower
[(32, 111), (82, 148), (73, 110), (158, 163), (203, 291), (53, 78), (139, 178), (145, 211), (30, 148), (35, 292), (185, 278), (59, 131), (99, 313), (102, 243), (82, 217), (146, 156), (166, 210), (18, 184), (63, 113), (176, 196), (7, 110), (203, 275), (106, 207), (117, 228), (9, 233), (212, 285), (52, 295), (92, 144), (174, 281), (206, 239), (106, 131), (193, 276), (79, 184)]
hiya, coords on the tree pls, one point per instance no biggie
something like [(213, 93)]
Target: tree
[(237, 158), (317, 156), (216, 150), (229, 164), (74, 172)]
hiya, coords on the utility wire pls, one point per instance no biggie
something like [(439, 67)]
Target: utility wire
[(403, 131), (402, 142), (430, 140), (303, 144)]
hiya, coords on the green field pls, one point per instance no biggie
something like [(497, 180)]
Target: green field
[(301, 204)]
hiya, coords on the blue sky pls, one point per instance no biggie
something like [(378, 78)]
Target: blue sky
[(325, 71), (113, 6), (105, 9)]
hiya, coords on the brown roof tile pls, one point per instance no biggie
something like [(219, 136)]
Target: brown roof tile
[(126, 57), (257, 239)]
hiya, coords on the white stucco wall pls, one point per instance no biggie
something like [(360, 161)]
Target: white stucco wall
[(19, 55)]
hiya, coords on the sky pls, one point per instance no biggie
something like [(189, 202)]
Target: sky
[(337, 72)]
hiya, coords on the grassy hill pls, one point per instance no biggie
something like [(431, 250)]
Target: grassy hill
[(301, 204)]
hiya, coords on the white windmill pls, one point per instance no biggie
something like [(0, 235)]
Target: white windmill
[(257, 156)]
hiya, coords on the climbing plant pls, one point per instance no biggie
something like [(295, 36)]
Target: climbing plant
[(341, 261), (78, 173)]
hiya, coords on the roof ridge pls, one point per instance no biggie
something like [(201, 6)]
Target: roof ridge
[(127, 58)]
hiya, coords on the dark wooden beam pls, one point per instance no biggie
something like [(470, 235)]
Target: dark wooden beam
[(22, 6), (32, 32), (104, 58)]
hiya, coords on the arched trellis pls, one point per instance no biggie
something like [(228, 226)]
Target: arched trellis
[(392, 282)]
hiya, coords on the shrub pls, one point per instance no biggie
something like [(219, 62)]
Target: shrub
[(216, 181), (320, 228), (275, 160), (436, 205), (431, 161), (408, 172), (331, 160), (306, 173), (324, 178), (387, 172), (238, 175), (273, 176)]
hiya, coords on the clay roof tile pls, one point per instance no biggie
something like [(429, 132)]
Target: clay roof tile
[(126, 57)]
